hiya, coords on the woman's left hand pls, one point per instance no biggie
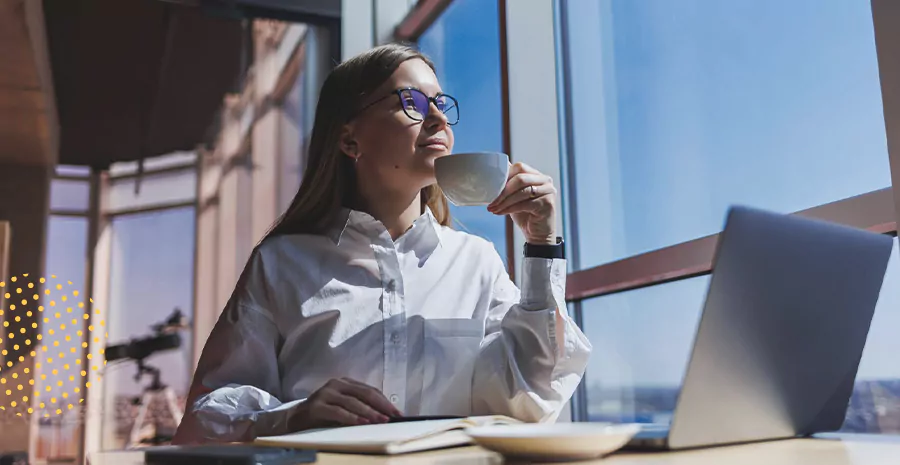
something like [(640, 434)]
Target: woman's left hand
[(530, 198)]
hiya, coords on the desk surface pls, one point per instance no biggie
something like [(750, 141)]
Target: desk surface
[(829, 450)]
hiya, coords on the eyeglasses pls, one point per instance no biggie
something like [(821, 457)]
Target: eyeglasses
[(416, 105)]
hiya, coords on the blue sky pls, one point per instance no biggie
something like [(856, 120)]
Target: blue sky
[(464, 44), (681, 109)]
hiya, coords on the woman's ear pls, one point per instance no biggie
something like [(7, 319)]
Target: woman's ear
[(347, 142)]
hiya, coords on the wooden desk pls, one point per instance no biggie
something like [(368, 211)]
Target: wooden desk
[(828, 450)]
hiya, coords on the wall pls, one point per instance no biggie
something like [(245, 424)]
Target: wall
[(24, 203)]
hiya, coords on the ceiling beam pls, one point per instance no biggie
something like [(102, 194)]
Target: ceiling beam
[(29, 127)]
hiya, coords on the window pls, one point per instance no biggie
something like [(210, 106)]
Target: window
[(674, 111), (151, 274), (72, 170), (70, 195), (67, 248), (642, 341), (67, 241), (464, 43), (875, 406), (679, 109), (154, 190), (292, 133)]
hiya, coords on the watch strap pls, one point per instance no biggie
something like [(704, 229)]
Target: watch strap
[(546, 251)]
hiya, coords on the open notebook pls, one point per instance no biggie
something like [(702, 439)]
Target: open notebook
[(387, 438)]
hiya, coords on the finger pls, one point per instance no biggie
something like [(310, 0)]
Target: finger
[(517, 183), (535, 205), (335, 414), (371, 396), (357, 407), (517, 168), (523, 194)]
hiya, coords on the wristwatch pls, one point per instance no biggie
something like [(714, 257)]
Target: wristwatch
[(546, 251)]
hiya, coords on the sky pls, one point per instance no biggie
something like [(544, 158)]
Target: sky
[(681, 109), (464, 44)]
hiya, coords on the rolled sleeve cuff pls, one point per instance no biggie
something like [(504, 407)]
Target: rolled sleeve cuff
[(543, 283)]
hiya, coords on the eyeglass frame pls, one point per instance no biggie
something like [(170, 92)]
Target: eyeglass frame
[(431, 100)]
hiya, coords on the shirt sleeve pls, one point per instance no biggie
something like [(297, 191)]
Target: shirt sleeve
[(533, 355), (235, 392)]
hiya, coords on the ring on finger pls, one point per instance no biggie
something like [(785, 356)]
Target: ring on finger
[(533, 194)]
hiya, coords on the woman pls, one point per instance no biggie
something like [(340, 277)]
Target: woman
[(361, 304)]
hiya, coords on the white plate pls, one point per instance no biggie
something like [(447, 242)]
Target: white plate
[(559, 441)]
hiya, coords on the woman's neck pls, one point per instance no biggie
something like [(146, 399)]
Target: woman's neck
[(395, 210)]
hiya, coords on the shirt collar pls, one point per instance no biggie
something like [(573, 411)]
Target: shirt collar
[(349, 218)]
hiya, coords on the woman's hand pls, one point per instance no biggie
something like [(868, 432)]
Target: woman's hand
[(530, 198), (342, 402)]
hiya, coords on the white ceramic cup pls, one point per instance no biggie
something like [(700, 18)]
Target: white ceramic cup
[(475, 178)]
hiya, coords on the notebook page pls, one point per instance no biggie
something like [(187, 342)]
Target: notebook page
[(386, 433), (387, 437)]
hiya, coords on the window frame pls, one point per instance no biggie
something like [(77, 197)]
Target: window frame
[(97, 271)]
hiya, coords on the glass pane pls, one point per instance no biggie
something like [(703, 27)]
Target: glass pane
[(642, 340), (155, 189), (152, 269), (70, 195), (73, 170), (875, 405), (292, 133), (66, 259), (243, 211), (154, 163), (680, 109), (464, 44)]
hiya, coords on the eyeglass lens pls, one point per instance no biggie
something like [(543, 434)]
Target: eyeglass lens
[(416, 105)]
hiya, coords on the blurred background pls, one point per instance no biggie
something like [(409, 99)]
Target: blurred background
[(147, 145)]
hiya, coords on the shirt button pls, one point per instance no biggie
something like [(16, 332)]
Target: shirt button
[(395, 337), (395, 398)]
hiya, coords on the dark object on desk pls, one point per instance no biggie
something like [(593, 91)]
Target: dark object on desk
[(227, 454), (14, 458), (779, 342), (423, 418)]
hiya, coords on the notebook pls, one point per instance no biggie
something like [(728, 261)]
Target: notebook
[(387, 438)]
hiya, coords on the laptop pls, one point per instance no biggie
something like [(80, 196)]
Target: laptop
[(781, 335)]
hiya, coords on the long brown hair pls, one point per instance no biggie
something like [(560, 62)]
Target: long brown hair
[(329, 182)]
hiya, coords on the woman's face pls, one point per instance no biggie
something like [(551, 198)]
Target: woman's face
[(392, 149)]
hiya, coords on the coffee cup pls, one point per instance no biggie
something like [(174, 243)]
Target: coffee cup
[(474, 178)]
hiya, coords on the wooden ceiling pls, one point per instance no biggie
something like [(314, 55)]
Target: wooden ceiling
[(91, 82), (138, 78), (27, 117)]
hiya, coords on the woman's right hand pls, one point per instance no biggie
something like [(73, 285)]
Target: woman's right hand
[(343, 402)]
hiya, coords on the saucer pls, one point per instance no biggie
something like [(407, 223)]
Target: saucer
[(559, 441)]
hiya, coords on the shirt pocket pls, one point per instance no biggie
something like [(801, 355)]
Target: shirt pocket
[(450, 349)]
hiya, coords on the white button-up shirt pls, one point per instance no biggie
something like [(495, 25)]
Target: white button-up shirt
[(431, 319)]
